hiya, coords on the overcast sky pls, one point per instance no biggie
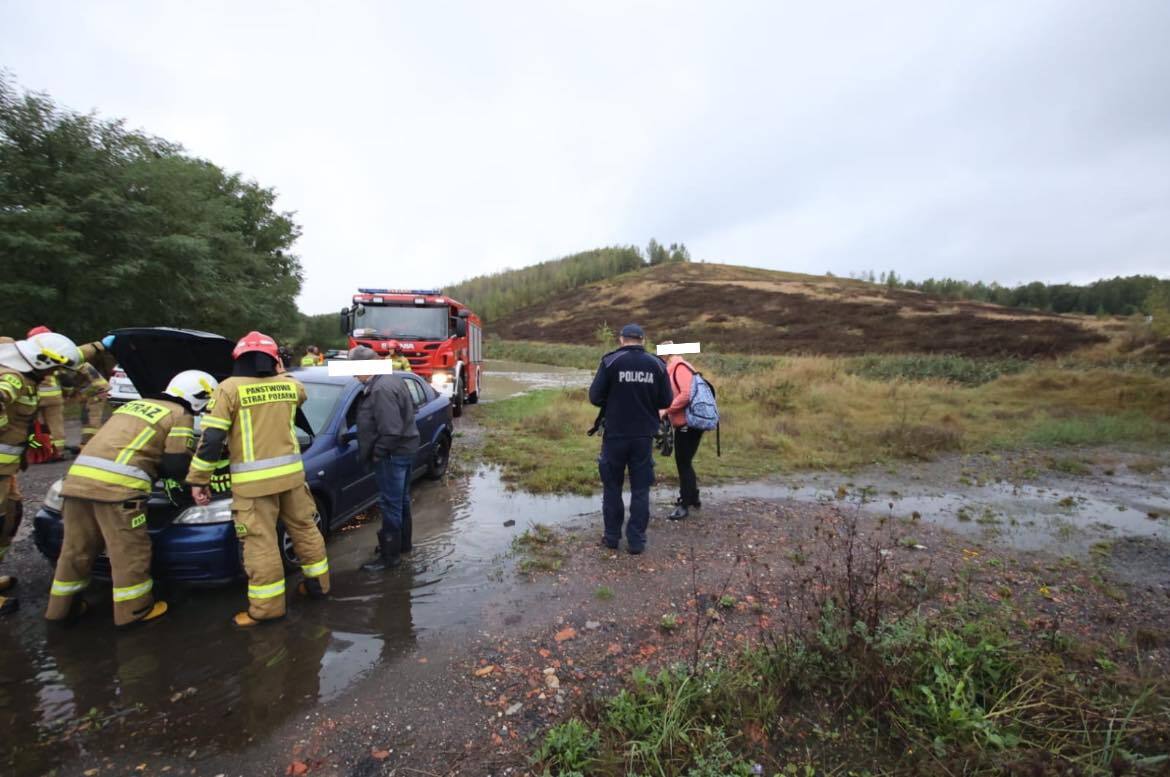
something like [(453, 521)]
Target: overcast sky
[(423, 142)]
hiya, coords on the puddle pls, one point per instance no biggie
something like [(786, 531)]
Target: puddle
[(1061, 515), (503, 379), (193, 683)]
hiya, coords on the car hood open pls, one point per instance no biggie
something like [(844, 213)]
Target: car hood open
[(150, 356)]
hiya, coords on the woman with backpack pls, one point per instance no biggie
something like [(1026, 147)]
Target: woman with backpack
[(680, 374)]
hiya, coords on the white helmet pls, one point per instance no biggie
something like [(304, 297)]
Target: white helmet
[(50, 350), (195, 387)]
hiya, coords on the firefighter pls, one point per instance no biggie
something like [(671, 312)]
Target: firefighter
[(254, 411), (88, 380), (106, 490), (23, 364), (398, 359), (310, 358)]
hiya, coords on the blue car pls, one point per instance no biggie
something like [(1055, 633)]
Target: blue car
[(198, 545)]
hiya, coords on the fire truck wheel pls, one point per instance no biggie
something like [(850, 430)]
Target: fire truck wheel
[(457, 398)]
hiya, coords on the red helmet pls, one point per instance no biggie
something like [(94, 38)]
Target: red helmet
[(38, 330), (256, 341)]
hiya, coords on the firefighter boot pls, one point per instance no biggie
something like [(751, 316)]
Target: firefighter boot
[(311, 587), (156, 611), (7, 583), (390, 546)]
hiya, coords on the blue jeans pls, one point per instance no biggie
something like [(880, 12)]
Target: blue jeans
[(393, 477), (618, 454)]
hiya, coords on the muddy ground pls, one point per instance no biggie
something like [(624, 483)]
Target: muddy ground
[(447, 666), (754, 311)]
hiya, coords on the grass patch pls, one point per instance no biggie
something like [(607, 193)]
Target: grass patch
[(951, 369), (603, 593), (539, 549), (811, 412)]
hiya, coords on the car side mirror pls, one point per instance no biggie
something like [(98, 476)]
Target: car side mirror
[(348, 436), (345, 319)]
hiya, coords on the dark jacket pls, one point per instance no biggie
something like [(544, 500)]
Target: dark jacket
[(631, 385), (385, 419)]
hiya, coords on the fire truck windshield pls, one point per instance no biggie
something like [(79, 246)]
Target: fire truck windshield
[(413, 323)]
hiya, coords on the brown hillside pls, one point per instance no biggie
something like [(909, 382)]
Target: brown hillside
[(745, 309)]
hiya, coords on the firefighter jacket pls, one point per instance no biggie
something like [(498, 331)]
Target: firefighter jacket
[(256, 417), (18, 407), (143, 440), (400, 363), (309, 360), (49, 391)]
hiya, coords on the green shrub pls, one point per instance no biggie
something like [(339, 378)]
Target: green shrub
[(953, 369)]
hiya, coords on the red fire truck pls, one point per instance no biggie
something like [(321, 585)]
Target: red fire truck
[(440, 336)]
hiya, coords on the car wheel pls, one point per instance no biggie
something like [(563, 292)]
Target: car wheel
[(457, 397), (287, 555), (441, 458)]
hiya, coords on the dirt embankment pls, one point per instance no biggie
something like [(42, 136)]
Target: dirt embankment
[(758, 311)]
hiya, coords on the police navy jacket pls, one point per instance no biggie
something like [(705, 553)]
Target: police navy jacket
[(632, 387)]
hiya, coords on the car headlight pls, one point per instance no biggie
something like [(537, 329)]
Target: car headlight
[(441, 380), (53, 498), (216, 512)]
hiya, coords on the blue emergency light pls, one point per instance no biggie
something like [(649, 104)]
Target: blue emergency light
[(429, 292)]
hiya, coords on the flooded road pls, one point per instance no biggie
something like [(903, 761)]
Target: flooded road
[(191, 687)]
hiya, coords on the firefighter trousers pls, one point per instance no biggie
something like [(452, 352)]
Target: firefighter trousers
[(53, 417), (11, 508), (121, 528), (255, 519), (92, 417)]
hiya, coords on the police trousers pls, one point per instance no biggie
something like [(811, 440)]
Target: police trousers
[(121, 528), (255, 519), (618, 455)]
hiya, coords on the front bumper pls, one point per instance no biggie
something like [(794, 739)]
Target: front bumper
[(202, 554)]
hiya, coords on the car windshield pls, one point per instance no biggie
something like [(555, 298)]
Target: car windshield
[(322, 399), (414, 323)]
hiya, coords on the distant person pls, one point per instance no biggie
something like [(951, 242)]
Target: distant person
[(631, 387), (388, 440), (398, 359), (312, 357), (686, 440)]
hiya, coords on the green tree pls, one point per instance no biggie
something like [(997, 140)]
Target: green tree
[(101, 227), (656, 253)]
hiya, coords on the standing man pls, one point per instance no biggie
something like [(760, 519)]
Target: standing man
[(254, 411), (630, 387), (51, 396), (105, 493), (388, 440), (23, 365)]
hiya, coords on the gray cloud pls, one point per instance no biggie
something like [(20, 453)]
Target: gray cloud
[(422, 143)]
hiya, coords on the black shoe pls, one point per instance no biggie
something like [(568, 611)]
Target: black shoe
[(407, 531), (607, 544), (635, 551), (679, 513), (390, 548)]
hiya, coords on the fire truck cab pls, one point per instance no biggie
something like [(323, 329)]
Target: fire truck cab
[(440, 336)]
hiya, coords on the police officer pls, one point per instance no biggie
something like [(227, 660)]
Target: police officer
[(630, 387)]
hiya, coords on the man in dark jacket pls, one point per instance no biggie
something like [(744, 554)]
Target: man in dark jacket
[(387, 441), (631, 387)]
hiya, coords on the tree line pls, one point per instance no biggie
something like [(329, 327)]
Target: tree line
[(498, 294), (1119, 296), (103, 227)]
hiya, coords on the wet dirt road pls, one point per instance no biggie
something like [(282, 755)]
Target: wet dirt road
[(190, 695)]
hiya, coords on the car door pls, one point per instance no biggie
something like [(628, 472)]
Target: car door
[(424, 421), (357, 483)]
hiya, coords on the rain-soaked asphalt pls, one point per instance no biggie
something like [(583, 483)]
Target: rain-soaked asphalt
[(190, 684)]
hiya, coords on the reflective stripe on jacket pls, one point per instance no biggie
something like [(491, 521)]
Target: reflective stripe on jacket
[(122, 460), (18, 407), (257, 416)]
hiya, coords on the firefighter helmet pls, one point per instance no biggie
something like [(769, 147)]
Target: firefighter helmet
[(195, 387), (50, 350), (38, 330), (256, 341)]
